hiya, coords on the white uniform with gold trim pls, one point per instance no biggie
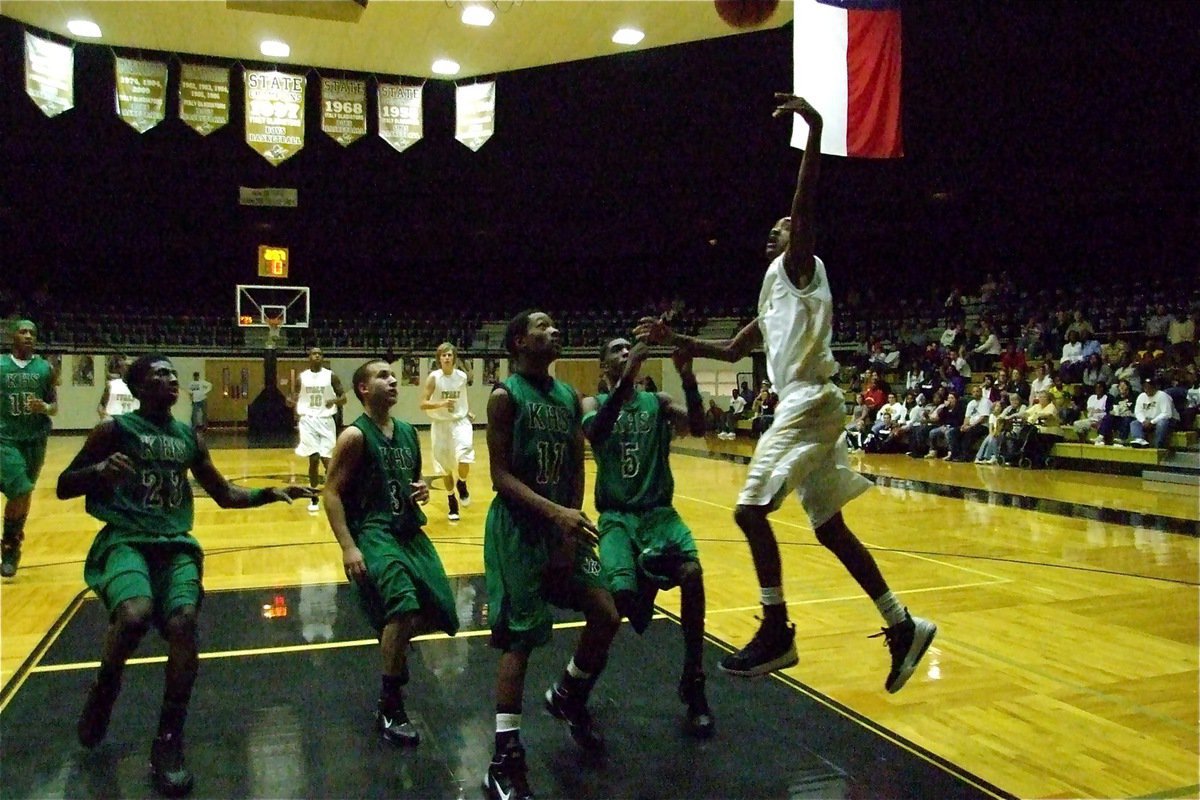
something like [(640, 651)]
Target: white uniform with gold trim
[(450, 432), (805, 448), (120, 399), (317, 429)]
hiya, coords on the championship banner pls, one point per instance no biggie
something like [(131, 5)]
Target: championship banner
[(344, 109), (475, 113), (280, 197), (49, 75), (141, 92), (401, 118), (203, 97), (274, 114)]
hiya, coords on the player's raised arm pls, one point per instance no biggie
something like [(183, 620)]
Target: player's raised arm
[(599, 427), (691, 417), (657, 331), (798, 256)]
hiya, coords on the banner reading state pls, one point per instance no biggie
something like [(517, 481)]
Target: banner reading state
[(141, 92), (203, 97), (274, 114), (49, 75), (344, 109), (475, 113), (401, 120)]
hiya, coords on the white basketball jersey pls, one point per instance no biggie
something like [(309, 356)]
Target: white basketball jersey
[(449, 386), (120, 399), (797, 327), (316, 389)]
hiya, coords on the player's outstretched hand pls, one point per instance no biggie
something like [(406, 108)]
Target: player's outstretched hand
[(790, 104), (352, 561), (286, 494), (575, 526), (420, 492), (653, 330), (116, 469)]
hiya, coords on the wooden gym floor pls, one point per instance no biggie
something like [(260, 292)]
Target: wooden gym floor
[(1066, 665)]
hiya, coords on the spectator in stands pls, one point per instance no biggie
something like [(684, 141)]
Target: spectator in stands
[(949, 418), (918, 415), (1070, 363), (747, 393), (1115, 425), (874, 397), (990, 447), (1033, 338), (1177, 389), (917, 437), (1082, 328), (959, 361), (1191, 407), (964, 440), (984, 356), (1041, 382), (1158, 323), (952, 336), (1150, 358), (1095, 370), (1128, 372), (1153, 409), (955, 308), (954, 382), (914, 378), (1181, 339), (713, 416), (1016, 384), (737, 406), (1043, 413), (1099, 404), (1013, 358), (860, 423), (987, 290), (1091, 347), (1115, 350)]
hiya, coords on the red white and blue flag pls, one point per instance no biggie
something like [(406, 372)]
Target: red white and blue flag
[(847, 64)]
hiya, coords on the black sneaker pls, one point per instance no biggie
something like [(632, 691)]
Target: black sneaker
[(573, 711), (453, 516), (395, 727), (907, 641), (167, 770), (10, 557), (464, 496), (97, 709), (772, 648), (506, 777), (700, 722)]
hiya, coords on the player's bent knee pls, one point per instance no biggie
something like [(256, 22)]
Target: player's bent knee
[(690, 572), (132, 617), (832, 532), (750, 518), (182, 624)]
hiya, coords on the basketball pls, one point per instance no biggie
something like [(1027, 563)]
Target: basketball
[(745, 13)]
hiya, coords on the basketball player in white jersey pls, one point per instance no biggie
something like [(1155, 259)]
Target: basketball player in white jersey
[(805, 449), (318, 397), (116, 398), (445, 401)]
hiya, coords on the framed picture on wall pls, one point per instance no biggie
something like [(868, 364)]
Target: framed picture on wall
[(467, 365), (55, 360), (491, 370), (83, 371), (410, 372)]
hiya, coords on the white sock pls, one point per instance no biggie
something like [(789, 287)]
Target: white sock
[(891, 608), (576, 672), (771, 595), (508, 722)]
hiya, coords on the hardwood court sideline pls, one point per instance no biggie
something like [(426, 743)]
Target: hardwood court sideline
[(1066, 664)]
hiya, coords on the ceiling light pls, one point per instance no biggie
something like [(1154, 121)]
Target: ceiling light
[(84, 27), (444, 66), (478, 15), (269, 47), (628, 36)]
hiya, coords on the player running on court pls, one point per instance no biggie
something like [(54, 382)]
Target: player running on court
[(28, 399), (317, 400), (450, 433), (538, 547), (372, 498), (145, 565), (805, 449), (644, 545)]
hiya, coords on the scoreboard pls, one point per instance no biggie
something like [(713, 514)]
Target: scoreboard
[(272, 261)]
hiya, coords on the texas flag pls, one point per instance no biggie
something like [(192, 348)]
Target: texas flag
[(847, 62)]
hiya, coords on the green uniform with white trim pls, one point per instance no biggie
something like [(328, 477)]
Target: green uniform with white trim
[(517, 544), (23, 433), (641, 534), (146, 548), (404, 571)]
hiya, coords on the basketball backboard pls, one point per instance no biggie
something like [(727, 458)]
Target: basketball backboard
[(257, 303)]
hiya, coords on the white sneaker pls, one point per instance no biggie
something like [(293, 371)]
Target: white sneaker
[(1139, 443), (1117, 444), (1098, 442), (313, 506)]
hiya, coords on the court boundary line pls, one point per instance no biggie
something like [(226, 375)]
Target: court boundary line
[(30, 663), (866, 723)]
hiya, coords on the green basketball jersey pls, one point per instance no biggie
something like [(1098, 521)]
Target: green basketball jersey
[(545, 429), (18, 386), (381, 494), (632, 471), (157, 501)]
